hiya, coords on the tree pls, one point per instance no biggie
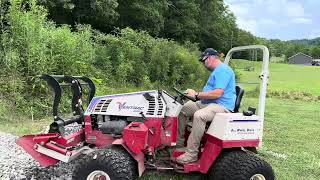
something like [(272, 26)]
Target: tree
[(100, 14), (244, 38), (293, 49), (276, 47), (315, 51), (217, 25), (148, 16), (181, 21)]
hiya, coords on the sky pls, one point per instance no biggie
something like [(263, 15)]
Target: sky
[(278, 19)]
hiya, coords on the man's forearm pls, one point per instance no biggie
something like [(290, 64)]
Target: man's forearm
[(214, 94)]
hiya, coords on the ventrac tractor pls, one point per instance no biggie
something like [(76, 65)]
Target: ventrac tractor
[(122, 135)]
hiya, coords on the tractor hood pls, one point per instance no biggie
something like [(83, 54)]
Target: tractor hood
[(151, 103)]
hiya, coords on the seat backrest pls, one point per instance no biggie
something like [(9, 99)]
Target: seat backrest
[(239, 94)]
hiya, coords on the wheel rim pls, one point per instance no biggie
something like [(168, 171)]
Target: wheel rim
[(98, 175), (258, 177)]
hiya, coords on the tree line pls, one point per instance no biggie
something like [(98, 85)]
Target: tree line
[(287, 49), (209, 23)]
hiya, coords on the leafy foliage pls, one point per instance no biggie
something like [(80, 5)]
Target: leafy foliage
[(33, 45), (209, 23)]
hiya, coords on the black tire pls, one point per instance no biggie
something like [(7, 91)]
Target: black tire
[(240, 165), (113, 161)]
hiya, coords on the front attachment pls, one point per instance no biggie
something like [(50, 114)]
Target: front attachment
[(56, 82), (48, 149), (27, 143)]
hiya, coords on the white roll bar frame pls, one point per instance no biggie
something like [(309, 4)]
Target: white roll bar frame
[(264, 76)]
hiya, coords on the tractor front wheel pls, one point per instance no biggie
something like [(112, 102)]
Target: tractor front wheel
[(110, 163), (240, 165)]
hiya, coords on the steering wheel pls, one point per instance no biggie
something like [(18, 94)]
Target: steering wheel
[(183, 95)]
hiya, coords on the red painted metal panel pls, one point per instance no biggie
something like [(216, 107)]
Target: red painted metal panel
[(155, 131), (135, 136), (169, 133), (27, 143), (212, 150), (87, 125), (56, 148), (44, 138), (233, 143), (208, 156), (210, 153), (99, 139)]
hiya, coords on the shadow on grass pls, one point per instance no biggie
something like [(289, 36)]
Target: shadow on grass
[(170, 175)]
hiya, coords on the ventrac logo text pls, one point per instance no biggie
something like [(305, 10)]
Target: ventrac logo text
[(124, 106)]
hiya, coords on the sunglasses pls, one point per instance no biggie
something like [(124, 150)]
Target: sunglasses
[(203, 59)]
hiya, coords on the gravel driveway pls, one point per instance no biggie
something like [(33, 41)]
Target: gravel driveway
[(16, 164)]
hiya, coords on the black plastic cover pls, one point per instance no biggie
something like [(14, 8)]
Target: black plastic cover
[(113, 127)]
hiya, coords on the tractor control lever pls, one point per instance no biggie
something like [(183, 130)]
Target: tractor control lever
[(143, 116)]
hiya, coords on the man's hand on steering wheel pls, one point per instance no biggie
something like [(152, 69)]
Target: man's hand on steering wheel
[(191, 93), (185, 94)]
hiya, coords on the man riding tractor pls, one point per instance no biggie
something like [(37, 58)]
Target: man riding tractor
[(217, 96)]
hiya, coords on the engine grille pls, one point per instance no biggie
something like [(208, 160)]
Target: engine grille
[(152, 110), (152, 106), (102, 106), (160, 106)]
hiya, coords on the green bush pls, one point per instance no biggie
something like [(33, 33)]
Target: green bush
[(32, 45)]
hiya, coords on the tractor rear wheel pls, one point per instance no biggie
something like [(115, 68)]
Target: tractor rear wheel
[(240, 165), (105, 164)]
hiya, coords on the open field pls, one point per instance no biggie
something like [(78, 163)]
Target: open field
[(283, 77)]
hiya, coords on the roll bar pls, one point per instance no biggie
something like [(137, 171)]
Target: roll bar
[(264, 75)]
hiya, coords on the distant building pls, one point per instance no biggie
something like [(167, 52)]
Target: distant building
[(300, 59)]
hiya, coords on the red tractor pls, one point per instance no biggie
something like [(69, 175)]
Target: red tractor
[(122, 135)]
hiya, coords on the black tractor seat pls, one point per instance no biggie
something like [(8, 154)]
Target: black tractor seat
[(239, 94)]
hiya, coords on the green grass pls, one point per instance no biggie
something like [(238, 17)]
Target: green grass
[(292, 128), (25, 126), (283, 77)]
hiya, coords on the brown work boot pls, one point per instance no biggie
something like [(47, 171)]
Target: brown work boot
[(182, 149), (176, 148), (187, 158), (180, 143)]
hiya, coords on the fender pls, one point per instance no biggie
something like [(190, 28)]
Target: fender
[(212, 150), (138, 157)]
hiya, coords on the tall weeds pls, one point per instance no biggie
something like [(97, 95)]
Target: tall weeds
[(32, 45)]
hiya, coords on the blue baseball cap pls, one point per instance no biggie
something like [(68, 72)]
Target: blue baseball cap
[(208, 52)]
